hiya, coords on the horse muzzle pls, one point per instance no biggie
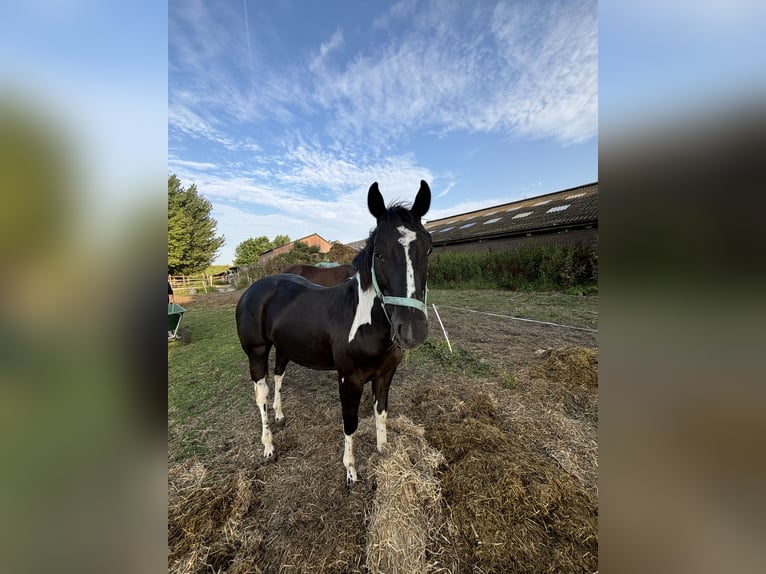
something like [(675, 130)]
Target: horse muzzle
[(409, 328)]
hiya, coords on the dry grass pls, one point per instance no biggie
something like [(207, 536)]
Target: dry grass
[(478, 477), (514, 510), (206, 526), (217, 521), (407, 527)]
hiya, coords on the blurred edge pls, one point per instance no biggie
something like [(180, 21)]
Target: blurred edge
[(682, 359), (83, 401)]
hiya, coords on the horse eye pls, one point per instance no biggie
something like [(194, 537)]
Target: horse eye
[(377, 254)]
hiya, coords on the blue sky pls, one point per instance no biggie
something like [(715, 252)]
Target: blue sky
[(283, 113)]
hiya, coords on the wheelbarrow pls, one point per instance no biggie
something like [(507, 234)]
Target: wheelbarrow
[(175, 331)]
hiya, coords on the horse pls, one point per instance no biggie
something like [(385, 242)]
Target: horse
[(359, 328), (327, 276)]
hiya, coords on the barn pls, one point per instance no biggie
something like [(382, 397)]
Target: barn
[(569, 216)]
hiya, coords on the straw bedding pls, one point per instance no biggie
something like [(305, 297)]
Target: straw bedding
[(480, 478)]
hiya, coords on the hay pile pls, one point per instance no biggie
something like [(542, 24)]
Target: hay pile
[(571, 366), (205, 521), (487, 479), (521, 476), (407, 527), (515, 511), (566, 379), (296, 515), (557, 410)]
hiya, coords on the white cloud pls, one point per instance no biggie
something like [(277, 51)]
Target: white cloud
[(323, 122), (325, 48), (195, 165), (518, 71), (307, 190)]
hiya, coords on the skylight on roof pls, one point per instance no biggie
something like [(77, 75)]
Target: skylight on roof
[(520, 215), (575, 196), (493, 220), (467, 225), (490, 213), (446, 229), (513, 208), (558, 208), (543, 202)]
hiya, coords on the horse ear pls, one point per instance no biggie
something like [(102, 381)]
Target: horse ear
[(375, 201), (422, 200)]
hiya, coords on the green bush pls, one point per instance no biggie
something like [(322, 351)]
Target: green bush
[(532, 267)]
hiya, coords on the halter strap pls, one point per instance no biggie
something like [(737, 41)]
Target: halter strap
[(400, 301)]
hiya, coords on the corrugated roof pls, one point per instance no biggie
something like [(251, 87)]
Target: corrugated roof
[(572, 207)]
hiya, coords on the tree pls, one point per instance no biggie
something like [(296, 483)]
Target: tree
[(247, 252), (302, 253), (192, 242), (280, 240)]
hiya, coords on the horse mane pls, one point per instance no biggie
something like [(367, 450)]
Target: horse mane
[(363, 260)]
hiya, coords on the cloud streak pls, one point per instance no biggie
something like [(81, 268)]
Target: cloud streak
[(490, 75), (298, 135), (519, 69), (302, 191)]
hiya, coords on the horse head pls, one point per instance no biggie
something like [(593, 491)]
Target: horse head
[(398, 251)]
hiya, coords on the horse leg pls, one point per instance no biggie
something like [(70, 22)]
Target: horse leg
[(258, 356), (380, 386), (280, 364), (350, 394)]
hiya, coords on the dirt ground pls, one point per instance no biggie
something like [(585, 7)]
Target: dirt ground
[(511, 486)]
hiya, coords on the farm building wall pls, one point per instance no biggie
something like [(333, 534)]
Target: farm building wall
[(583, 236)]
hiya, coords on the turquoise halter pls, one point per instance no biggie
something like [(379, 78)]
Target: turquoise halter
[(400, 301)]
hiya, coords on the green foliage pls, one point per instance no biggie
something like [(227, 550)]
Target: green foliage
[(192, 242), (302, 253), (247, 252), (280, 240), (215, 269), (532, 267)]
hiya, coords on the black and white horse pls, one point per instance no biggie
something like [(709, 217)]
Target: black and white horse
[(358, 328)]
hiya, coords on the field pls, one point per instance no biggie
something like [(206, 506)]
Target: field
[(492, 465)]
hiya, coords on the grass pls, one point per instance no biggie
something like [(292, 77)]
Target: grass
[(203, 377), (208, 378), (215, 269), (435, 352), (552, 306), (518, 490)]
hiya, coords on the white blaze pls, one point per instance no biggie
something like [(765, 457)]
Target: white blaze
[(363, 313), (407, 237)]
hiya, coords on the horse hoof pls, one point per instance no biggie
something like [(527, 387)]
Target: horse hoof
[(270, 458), (279, 423)]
